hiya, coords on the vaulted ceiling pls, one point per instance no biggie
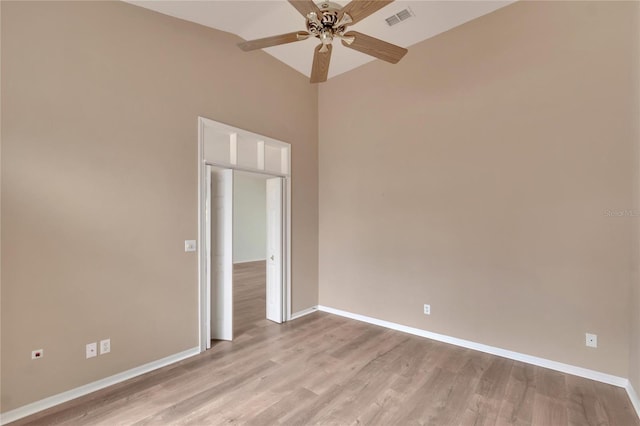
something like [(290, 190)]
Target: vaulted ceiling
[(251, 19)]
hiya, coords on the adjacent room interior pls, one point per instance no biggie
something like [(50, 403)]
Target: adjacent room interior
[(249, 251), (464, 223)]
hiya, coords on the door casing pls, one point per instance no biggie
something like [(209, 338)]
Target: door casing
[(264, 144)]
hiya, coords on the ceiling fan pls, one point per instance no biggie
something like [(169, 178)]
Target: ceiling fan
[(326, 21)]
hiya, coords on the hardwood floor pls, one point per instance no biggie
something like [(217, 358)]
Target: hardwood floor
[(249, 296), (326, 370)]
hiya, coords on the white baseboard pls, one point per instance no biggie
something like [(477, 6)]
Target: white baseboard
[(529, 359), (249, 261), (633, 396), (60, 398), (304, 312)]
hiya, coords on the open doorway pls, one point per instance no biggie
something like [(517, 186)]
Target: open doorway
[(249, 251), (232, 159), (245, 250)]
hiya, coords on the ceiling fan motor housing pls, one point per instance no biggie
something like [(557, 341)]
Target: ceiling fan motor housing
[(327, 24)]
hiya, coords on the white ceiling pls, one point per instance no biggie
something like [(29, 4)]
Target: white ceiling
[(251, 19)]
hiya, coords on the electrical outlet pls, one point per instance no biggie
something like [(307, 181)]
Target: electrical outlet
[(105, 346), (427, 309), (38, 353), (92, 349), (591, 340)]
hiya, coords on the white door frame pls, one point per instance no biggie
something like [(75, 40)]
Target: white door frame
[(232, 163)]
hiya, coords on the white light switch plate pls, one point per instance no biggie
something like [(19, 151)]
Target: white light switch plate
[(189, 245)]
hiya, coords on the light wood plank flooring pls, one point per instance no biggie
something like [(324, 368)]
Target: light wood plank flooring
[(249, 296), (327, 370)]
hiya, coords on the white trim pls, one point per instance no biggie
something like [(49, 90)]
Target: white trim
[(249, 261), (222, 165), (206, 292), (43, 404), (287, 240), (529, 359), (633, 396), (284, 172), (203, 330), (260, 153), (304, 312), (233, 148)]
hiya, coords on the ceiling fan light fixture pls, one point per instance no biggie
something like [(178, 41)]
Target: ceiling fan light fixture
[(345, 19), (326, 36)]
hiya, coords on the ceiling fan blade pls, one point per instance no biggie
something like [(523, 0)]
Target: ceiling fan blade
[(321, 64), (261, 43), (360, 9), (305, 7), (375, 47)]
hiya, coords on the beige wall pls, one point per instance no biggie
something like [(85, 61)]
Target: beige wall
[(0, 212), (99, 182), (475, 175), (634, 358)]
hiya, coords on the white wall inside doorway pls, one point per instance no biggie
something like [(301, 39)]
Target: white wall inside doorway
[(249, 217)]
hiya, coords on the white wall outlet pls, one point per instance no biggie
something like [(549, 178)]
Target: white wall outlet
[(427, 309), (591, 340), (38, 353), (105, 346), (189, 245), (92, 349)]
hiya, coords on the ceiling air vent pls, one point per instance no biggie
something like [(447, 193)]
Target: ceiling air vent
[(404, 14)]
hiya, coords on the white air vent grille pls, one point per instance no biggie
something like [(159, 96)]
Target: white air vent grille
[(404, 14)]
